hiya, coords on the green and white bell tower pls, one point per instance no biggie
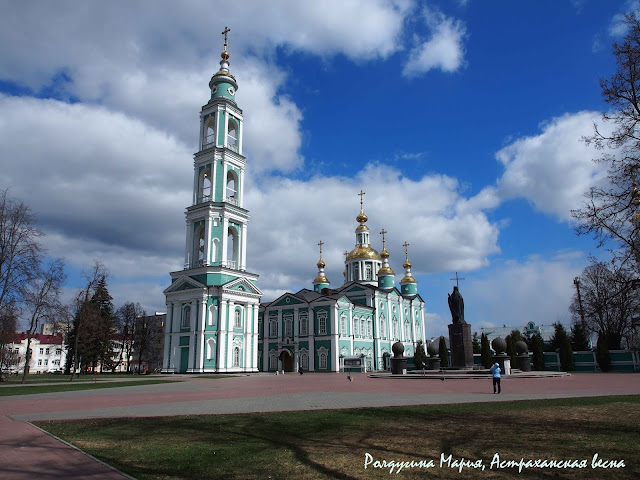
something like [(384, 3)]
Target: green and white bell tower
[(212, 304)]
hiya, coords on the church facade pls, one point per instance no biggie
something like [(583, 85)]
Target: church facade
[(317, 329), (215, 322), (212, 304)]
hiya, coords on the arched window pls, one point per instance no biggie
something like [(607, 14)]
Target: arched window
[(355, 327), (232, 247), (237, 321), (304, 324), (368, 270), (362, 328), (186, 317), (211, 348), (356, 275), (305, 361), (232, 134), (236, 356), (205, 182), (407, 331), (209, 133), (213, 315), (323, 360), (214, 250), (232, 187), (198, 247), (383, 327), (288, 326), (369, 325), (395, 329)]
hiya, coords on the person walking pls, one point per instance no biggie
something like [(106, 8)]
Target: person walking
[(495, 371)]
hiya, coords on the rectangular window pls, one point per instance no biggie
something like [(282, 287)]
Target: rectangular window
[(41, 351), (46, 361), (288, 326), (273, 327), (322, 325), (40, 362), (46, 351), (304, 322), (305, 361)]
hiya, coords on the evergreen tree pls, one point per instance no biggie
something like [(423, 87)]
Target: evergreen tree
[(560, 342), (580, 337), (511, 346), (444, 353), (485, 352), (537, 350), (419, 357), (475, 342), (602, 353)]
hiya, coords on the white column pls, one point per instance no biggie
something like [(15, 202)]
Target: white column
[(195, 185), (219, 117), (248, 327), (201, 325), (207, 240), (188, 249), (224, 239), (214, 174), (230, 320), (254, 353), (243, 249), (412, 318), (225, 168), (226, 128), (222, 333), (240, 135), (241, 189)]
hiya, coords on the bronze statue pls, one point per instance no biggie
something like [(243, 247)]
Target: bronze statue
[(456, 305)]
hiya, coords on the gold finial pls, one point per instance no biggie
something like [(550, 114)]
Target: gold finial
[(321, 263), (225, 54), (346, 254), (384, 253), (407, 263)]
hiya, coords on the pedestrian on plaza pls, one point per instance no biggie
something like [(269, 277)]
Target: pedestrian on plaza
[(495, 371), (300, 370)]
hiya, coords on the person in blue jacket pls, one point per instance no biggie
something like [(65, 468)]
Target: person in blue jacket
[(495, 371)]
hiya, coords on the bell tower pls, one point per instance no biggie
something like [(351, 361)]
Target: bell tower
[(212, 304)]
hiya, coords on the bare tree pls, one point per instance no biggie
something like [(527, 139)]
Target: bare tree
[(608, 301), (608, 212), (20, 252), (42, 301), (126, 320)]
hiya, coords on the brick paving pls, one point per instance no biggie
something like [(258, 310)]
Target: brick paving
[(26, 452)]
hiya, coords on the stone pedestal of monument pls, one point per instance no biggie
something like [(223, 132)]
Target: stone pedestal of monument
[(523, 362), (505, 363), (433, 363), (461, 345), (399, 361)]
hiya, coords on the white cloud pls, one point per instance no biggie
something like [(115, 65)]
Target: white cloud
[(443, 50), (552, 170), (512, 292)]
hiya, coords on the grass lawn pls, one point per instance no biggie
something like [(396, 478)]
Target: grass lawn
[(333, 444), (73, 386)]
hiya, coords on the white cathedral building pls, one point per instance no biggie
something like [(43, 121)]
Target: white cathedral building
[(215, 322)]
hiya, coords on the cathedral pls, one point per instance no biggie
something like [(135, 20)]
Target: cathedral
[(215, 322)]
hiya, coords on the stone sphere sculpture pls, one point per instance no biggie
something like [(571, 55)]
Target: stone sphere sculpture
[(499, 345), (397, 349), (521, 347), (433, 349)]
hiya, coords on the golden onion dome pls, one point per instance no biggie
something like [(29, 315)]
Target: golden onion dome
[(407, 263), (408, 279), (385, 271), (362, 218), (384, 253), (363, 252), (362, 227), (320, 264), (321, 279)]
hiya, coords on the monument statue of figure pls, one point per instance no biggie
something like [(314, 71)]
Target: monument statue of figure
[(456, 305)]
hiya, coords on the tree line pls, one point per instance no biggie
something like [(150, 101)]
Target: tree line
[(31, 287)]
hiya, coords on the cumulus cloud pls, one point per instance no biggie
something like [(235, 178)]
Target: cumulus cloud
[(552, 170), (420, 211), (443, 50)]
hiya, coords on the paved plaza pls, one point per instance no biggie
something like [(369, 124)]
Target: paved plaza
[(26, 452)]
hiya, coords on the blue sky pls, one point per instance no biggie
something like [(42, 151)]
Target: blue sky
[(461, 120)]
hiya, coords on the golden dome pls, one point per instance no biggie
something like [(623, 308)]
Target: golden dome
[(362, 218), (362, 227), (407, 263), (321, 279), (408, 279), (363, 252), (320, 264), (384, 253), (385, 271)]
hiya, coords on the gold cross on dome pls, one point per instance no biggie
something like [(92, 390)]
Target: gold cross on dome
[(361, 195), (382, 233), (321, 243), (226, 30), (406, 251)]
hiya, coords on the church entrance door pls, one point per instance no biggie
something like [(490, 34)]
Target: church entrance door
[(287, 361)]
